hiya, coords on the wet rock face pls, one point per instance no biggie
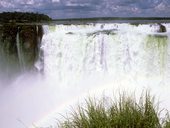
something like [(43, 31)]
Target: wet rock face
[(162, 28), (30, 38), (19, 48)]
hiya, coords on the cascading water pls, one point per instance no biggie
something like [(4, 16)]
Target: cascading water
[(20, 53), (78, 60), (73, 52)]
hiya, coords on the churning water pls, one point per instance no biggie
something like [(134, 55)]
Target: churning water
[(81, 60)]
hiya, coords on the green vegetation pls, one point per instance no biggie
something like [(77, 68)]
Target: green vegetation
[(22, 17), (132, 20), (126, 112)]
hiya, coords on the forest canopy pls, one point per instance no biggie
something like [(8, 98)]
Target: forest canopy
[(23, 17)]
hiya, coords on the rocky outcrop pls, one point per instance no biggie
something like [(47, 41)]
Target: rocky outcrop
[(162, 28), (19, 48)]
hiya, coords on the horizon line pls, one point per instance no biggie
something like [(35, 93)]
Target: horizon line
[(113, 18)]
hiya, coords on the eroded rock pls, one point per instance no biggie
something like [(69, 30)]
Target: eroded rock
[(19, 48)]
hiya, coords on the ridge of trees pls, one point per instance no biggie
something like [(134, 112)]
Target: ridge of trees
[(23, 17)]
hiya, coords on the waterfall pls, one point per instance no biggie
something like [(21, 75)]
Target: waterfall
[(105, 57), (119, 50), (19, 51), (39, 63), (76, 61)]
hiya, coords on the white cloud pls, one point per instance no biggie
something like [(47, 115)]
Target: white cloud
[(89, 8), (55, 0), (6, 4)]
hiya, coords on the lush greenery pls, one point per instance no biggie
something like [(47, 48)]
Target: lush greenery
[(23, 17), (126, 112)]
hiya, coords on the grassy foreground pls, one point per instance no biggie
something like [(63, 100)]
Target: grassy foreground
[(123, 112)]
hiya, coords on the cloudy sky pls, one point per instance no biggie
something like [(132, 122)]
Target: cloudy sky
[(90, 8)]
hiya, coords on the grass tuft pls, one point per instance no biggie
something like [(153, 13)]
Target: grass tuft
[(124, 112)]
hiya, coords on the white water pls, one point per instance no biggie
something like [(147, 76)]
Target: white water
[(81, 60)]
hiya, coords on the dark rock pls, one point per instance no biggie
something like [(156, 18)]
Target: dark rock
[(19, 48), (162, 28)]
